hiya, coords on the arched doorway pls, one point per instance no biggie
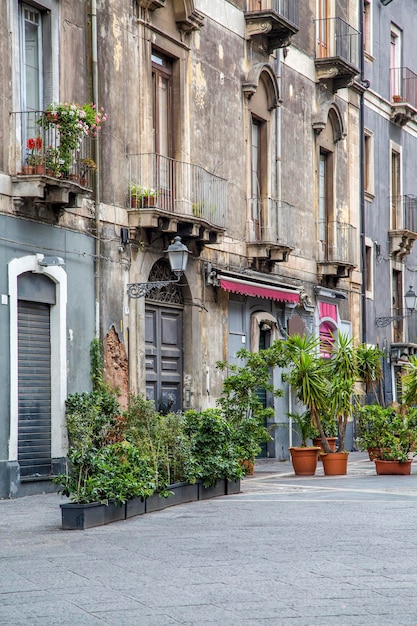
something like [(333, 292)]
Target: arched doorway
[(164, 341)]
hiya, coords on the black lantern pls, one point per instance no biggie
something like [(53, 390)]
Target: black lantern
[(177, 254)]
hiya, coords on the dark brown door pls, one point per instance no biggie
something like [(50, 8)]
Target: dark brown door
[(163, 345)]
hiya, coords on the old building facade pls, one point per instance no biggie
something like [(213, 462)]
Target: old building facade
[(389, 200), (234, 125)]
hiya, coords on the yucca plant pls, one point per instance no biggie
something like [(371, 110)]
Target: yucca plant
[(308, 376)]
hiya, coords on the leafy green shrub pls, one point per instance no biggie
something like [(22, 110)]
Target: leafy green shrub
[(115, 472), (214, 449), (162, 439)]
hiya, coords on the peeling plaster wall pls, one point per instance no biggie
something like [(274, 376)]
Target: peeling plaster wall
[(116, 366)]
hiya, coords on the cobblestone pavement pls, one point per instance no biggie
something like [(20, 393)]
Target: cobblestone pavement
[(287, 551)]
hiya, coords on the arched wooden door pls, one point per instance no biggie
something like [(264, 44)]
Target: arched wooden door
[(164, 343)]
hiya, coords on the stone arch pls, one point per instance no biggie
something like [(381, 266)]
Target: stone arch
[(264, 72), (333, 115)]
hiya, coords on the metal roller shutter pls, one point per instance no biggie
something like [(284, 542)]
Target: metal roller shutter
[(34, 389)]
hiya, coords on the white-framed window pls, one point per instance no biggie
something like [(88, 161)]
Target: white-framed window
[(31, 58), (395, 63), (367, 28), (396, 186), (368, 170), (369, 268)]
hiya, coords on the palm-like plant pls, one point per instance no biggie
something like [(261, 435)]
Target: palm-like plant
[(343, 369), (308, 377), (409, 381), (368, 360)]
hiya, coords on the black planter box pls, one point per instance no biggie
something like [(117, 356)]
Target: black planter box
[(232, 486), (135, 506), (81, 516), (219, 489), (114, 513)]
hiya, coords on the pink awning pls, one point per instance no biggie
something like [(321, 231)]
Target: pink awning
[(328, 310), (246, 288)]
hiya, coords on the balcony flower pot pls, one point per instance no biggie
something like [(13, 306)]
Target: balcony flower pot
[(28, 170), (335, 463), (397, 98), (304, 460), (40, 169), (397, 468)]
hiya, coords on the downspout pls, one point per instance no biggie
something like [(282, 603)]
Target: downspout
[(94, 58), (363, 267)]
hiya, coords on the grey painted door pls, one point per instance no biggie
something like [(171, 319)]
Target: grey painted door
[(164, 367), (34, 389)]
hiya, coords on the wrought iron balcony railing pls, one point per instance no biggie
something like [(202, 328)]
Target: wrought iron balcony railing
[(336, 39), (338, 243), (289, 9), (38, 149), (403, 86), (274, 22), (404, 213), (177, 187)]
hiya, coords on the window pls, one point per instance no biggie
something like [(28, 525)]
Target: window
[(369, 268), (397, 304), (367, 27), (396, 217), (31, 58), (322, 28), (325, 196), (368, 173), (258, 128), (162, 105), (395, 62), (259, 181)]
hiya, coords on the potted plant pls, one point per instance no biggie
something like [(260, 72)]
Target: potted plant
[(72, 122), (240, 401), (141, 196), (304, 457), (87, 166), (33, 158), (308, 376)]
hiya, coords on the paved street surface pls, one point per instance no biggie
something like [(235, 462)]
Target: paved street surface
[(316, 551)]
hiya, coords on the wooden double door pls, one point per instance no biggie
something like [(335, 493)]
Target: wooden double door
[(164, 356)]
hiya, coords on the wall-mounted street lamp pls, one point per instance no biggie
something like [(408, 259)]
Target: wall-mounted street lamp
[(410, 305), (177, 254)]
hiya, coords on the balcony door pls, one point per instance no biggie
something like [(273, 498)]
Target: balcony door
[(396, 211), (31, 58), (395, 62), (162, 118), (322, 28)]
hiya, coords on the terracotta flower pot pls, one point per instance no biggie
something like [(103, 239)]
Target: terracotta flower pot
[(304, 460), (249, 466), (330, 440), (40, 170), (28, 169), (397, 468), (335, 463), (374, 453)]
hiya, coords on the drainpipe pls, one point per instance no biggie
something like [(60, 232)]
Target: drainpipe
[(94, 58), (364, 82)]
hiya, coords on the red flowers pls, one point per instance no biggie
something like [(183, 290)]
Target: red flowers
[(34, 144)]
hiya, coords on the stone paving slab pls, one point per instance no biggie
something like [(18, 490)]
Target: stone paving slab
[(287, 550)]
